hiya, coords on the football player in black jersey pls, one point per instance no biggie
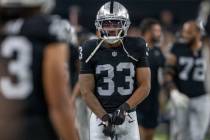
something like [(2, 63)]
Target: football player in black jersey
[(34, 91), (147, 111), (114, 76), (185, 76)]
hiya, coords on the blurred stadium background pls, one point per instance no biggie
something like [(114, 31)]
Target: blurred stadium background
[(181, 10), (171, 14)]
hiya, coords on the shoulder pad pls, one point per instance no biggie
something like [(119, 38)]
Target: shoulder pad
[(87, 48), (135, 41), (135, 44), (136, 47), (178, 45), (175, 49), (47, 28)]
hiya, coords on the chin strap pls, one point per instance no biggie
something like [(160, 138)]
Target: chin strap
[(130, 56), (98, 46), (94, 51)]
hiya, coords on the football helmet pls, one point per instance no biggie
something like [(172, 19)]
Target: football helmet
[(46, 5), (112, 22)]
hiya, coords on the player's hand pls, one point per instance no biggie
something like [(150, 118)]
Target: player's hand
[(118, 117), (108, 127), (179, 99)]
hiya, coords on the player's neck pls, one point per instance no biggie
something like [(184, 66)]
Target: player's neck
[(150, 44), (115, 45)]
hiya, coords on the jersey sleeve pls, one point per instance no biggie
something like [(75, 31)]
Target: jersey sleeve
[(74, 53), (84, 53), (49, 29), (143, 54)]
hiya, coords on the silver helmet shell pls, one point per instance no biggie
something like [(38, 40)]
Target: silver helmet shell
[(46, 5), (112, 11)]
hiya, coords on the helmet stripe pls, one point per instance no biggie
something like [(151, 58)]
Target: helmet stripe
[(111, 6)]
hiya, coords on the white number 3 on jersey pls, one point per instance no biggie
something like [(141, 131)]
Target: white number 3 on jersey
[(19, 67)]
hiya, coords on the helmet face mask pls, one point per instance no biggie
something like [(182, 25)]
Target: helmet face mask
[(112, 26)]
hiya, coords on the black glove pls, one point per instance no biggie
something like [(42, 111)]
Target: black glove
[(118, 117), (108, 127)]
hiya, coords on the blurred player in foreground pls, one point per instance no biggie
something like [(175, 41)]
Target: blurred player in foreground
[(148, 110), (34, 91), (185, 76), (114, 76)]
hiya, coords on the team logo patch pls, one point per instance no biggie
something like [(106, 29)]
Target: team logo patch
[(114, 54)]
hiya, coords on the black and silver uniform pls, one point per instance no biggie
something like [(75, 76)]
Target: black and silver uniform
[(114, 71), (73, 65), (148, 110), (23, 109), (190, 70)]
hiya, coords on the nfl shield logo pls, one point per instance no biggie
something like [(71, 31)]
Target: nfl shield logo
[(114, 54)]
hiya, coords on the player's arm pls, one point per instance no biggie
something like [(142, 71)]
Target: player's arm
[(76, 90), (177, 98), (87, 87), (143, 76), (169, 72), (55, 79), (87, 82)]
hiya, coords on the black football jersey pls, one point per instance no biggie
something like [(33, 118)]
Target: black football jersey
[(190, 70), (114, 71), (156, 61), (23, 109), (73, 65)]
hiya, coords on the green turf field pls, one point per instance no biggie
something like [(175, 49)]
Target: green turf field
[(162, 136)]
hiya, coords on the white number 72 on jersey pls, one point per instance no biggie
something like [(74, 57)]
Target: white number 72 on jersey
[(197, 66)]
